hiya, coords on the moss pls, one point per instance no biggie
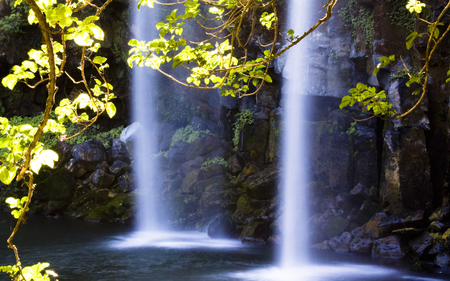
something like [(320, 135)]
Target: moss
[(212, 161), (245, 118), (400, 16), (358, 17), (118, 209), (254, 154)]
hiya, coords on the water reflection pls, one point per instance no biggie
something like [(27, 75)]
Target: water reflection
[(178, 240)]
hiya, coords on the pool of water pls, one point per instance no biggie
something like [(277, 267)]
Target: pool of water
[(83, 251)]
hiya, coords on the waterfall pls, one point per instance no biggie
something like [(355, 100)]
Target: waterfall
[(295, 145), (143, 111)]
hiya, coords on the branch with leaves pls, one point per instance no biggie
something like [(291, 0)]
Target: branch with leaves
[(213, 62), (21, 152), (378, 103)]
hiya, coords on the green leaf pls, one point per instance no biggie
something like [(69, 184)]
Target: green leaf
[(7, 174), (268, 79), (83, 39), (9, 81), (110, 109), (99, 60)]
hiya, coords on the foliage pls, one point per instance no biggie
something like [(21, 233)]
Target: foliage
[(20, 149), (400, 15), (378, 103), (212, 63), (212, 161), (245, 117), (55, 130), (358, 17), (188, 134), (13, 24), (30, 273)]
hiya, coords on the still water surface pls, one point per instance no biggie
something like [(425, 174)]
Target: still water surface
[(84, 251)]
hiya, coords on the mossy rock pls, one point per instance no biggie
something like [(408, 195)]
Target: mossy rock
[(59, 186), (118, 209)]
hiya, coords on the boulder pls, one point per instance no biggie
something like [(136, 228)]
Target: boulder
[(366, 211), (340, 243), (102, 179), (118, 151), (440, 214), (361, 245), (388, 247), (220, 227), (86, 157), (371, 227), (421, 243), (64, 152), (126, 182), (442, 260), (119, 167), (413, 219), (436, 227), (438, 245)]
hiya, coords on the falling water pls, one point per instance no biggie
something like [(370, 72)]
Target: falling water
[(143, 95), (295, 145)]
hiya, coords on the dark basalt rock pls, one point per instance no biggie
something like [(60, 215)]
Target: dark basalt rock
[(440, 214), (262, 185), (221, 227), (403, 220), (436, 227), (361, 245), (421, 243), (119, 167), (235, 164), (102, 179), (388, 247), (125, 182), (368, 208), (340, 243), (371, 227), (360, 193), (442, 260), (118, 151)]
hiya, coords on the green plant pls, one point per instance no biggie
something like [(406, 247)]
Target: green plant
[(21, 151), (245, 118), (212, 161), (13, 24), (400, 16), (187, 134), (358, 17)]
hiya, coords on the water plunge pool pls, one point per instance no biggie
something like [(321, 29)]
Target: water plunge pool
[(84, 251)]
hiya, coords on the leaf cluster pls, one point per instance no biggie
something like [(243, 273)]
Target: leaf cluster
[(213, 63)]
